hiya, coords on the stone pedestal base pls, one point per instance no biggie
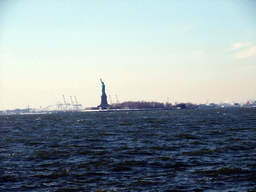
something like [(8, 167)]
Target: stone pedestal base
[(104, 103)]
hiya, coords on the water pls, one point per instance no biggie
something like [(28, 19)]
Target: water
[(181, 150)]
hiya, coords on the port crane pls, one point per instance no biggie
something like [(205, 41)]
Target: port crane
[(117, 101), (77, 105), (72, 103), (59, 106), (65, 103), (110, 100)]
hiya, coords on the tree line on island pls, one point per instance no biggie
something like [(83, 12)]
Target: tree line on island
[(152, 105)]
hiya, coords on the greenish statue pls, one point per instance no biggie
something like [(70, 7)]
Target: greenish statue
[(103, 87)]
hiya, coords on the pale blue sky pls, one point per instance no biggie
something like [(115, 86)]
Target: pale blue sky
[(151, 50)]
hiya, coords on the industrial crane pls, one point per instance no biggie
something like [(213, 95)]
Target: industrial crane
[(72, 102), (65, 102), (77, 104), (59, 106), (117, 101), (110, 100)]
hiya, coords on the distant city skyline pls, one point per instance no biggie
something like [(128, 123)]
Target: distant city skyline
[(187, 51)]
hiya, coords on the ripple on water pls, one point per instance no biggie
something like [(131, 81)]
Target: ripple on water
[(186, 150)]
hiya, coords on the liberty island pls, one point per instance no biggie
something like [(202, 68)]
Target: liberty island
[(127, 105)]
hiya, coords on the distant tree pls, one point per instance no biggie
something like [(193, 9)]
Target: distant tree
[(138, 105), (151, 105)]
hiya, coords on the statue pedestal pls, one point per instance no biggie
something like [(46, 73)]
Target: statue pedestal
[(104, 103)]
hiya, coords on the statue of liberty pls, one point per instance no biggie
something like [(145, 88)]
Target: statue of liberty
[(104, 102), (103, 87)]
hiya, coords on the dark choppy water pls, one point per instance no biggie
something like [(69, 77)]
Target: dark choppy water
[(186, 150)]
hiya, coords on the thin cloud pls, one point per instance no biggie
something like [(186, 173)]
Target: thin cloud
[(236, 46), (247, 53)]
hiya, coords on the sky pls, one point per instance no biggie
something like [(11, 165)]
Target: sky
[(144, 50)]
